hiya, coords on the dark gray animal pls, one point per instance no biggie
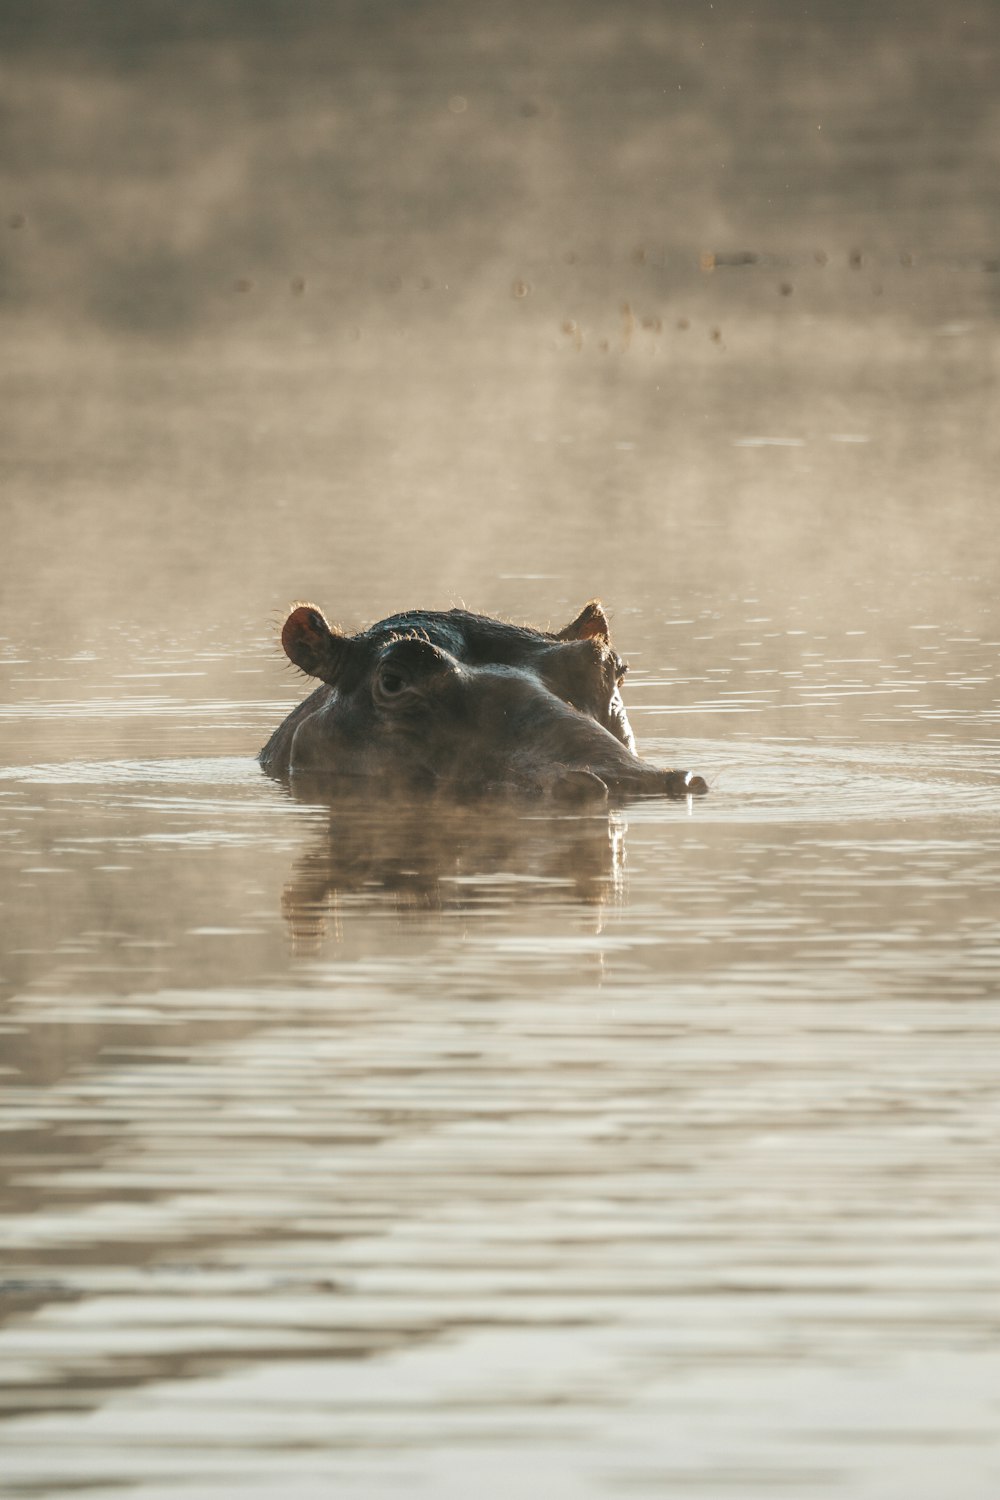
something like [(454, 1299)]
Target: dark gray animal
[(465, 703)]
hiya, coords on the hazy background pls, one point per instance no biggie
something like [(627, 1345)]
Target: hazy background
[(383, 302)]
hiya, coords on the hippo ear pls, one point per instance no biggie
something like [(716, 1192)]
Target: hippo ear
[(591, 624), (314, 648)]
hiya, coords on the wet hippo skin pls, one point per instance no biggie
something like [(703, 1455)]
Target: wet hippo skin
[(463, 702)]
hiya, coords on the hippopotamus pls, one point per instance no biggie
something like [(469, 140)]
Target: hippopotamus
[(463, 702)]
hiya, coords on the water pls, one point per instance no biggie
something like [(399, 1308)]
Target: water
[(389, 1150)]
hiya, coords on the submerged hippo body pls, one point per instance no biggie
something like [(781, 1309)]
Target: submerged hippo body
[(465, 702)]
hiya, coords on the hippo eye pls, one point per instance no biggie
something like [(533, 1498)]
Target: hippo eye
[(391, 683)]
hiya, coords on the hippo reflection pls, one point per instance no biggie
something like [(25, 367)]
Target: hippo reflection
[(409, 855), (466, 703)]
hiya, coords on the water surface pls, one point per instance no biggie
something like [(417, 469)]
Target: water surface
[(383, 1150)]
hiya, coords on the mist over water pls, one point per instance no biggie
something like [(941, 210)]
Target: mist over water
[(377, 1148)]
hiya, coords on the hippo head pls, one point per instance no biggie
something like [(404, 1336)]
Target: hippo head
[(466, 702)]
